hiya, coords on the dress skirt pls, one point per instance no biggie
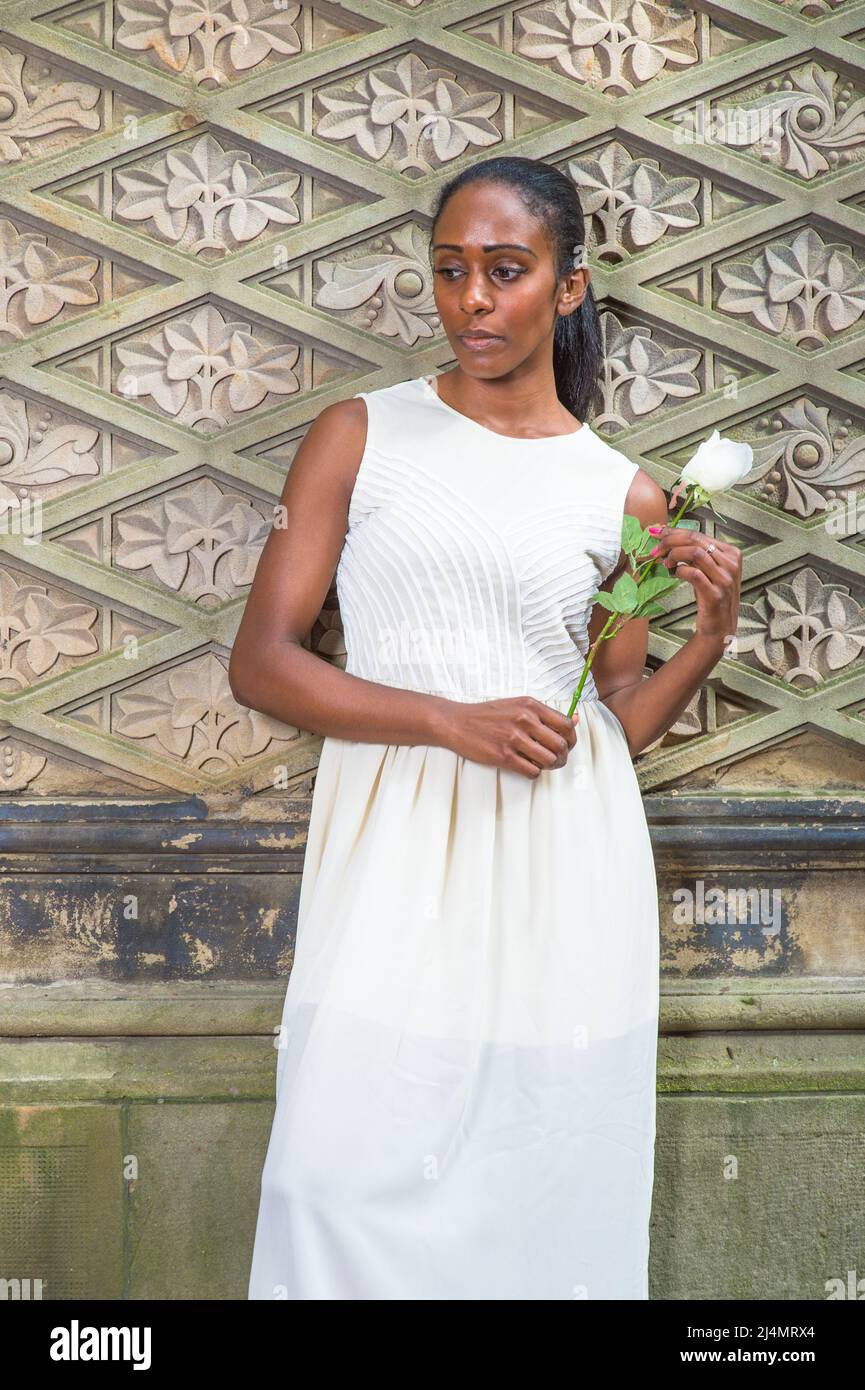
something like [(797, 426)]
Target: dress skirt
[(465, 1091)]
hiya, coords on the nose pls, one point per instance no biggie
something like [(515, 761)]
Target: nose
[(475, 294)]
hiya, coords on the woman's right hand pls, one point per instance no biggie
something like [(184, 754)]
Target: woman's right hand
[(518, 734)]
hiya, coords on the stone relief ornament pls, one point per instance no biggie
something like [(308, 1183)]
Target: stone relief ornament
[(18, 767), (38, 282), (421, 116), (812, 9), (209, 39), (608, 43), (190, 713), (638, 374), (807, 458), (41, 111), (38, 628), (806, 290), (797, 122), (802, 629), (41, 454), (207, 370), (206, 198), (632, 202), (200, 540), (388, 285)]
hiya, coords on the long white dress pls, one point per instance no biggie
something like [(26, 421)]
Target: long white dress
[(465, 1094)]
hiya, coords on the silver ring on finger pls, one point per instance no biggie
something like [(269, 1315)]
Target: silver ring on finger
[(710, 548)]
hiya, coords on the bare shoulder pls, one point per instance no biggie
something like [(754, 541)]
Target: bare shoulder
[(332, 448), (346, 419), (646, 500)]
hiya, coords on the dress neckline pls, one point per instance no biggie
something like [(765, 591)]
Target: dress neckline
[(431, 391)]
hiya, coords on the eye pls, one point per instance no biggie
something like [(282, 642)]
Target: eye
[(512, 271)]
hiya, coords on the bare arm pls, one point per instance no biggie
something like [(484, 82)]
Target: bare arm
[(270, 670), (647, 707)]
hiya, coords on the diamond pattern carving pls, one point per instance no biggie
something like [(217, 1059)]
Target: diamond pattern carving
[(189, 713), (213, 42), (615, 46), (44, 279), (808, 121), (46, 453), (200, 539), (383, 286), (806, 457), (206, 197), (647, 368), (46, 630), (803, 629)]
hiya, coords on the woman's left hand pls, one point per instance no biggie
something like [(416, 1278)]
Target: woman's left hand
[(714, 570)]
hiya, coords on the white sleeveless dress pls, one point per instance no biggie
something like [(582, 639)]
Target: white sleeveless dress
[(465, 1094)]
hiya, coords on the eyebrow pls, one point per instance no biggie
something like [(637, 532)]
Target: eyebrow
[(496, 246)]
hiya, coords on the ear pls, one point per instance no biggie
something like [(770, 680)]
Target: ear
[(574, 292)]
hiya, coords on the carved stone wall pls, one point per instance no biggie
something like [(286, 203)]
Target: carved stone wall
[(214, 221)]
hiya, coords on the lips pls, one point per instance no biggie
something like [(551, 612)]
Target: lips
[(485, 343)]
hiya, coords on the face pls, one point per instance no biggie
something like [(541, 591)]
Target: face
[(494, 274)]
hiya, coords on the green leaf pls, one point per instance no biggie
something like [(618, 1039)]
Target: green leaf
[(632, 534), (656, 585), (605, 600), (625, 594), (651, 610)]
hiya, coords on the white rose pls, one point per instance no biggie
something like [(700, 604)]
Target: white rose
[(718, 464)]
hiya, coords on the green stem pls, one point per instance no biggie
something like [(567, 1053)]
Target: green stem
[(648, 566), (690, 496), (589, 659)]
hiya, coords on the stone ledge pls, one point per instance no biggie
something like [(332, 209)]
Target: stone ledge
[(221, 1009), (42, 1071), (187, 828)]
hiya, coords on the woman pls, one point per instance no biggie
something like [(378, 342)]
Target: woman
[(465, 1096)]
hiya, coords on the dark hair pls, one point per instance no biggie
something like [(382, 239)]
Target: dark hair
[(553, 199)]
